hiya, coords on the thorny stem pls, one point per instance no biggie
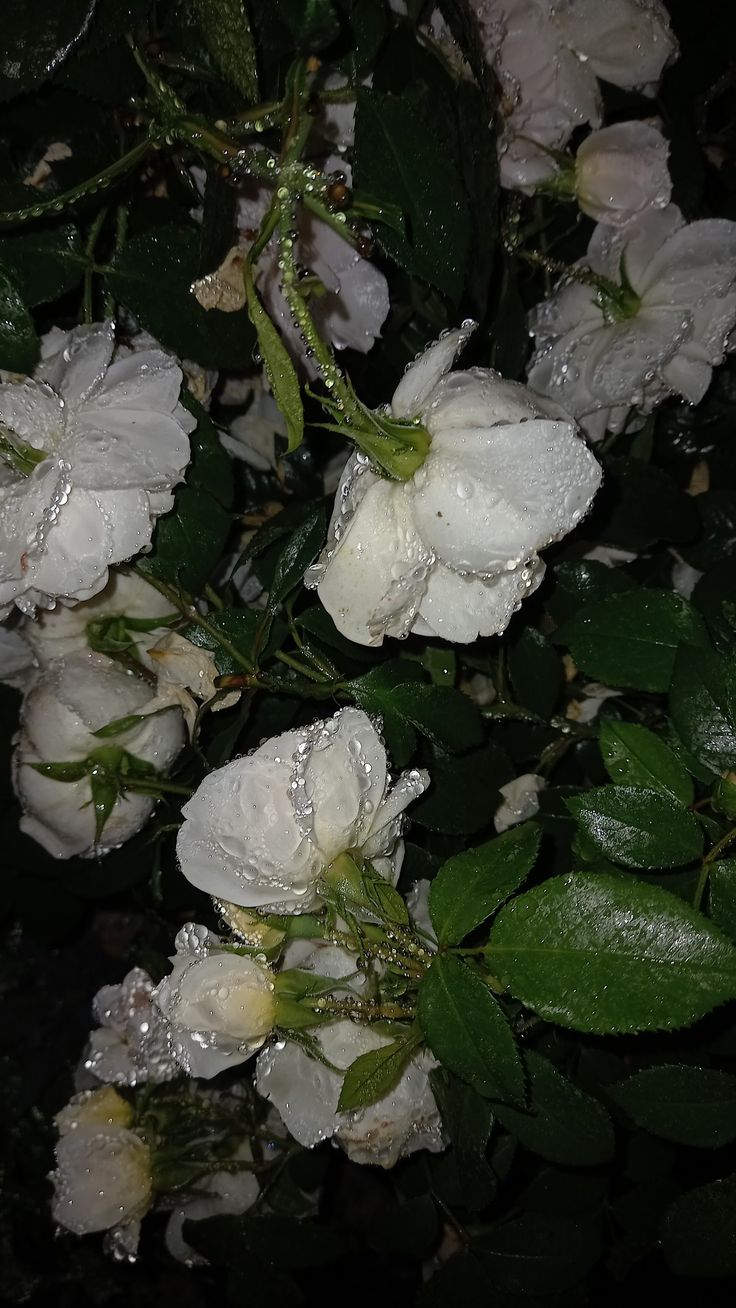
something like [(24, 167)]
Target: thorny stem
[(363, 1008), (89, 249)]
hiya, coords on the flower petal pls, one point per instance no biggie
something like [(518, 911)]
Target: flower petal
[(422, 376), (505, 492), (460, 609)]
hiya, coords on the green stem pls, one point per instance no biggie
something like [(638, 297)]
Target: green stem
[(190, 611), (363, 1008), (711, 857), (89, 250), (104, 178)]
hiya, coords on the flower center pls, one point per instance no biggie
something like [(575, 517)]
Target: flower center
[(17, 453)]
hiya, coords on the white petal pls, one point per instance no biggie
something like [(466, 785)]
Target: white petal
[(241, 841), (344, 781), (460, 609), (505, 493), (631, 352), (628, 42), (422, 376), (371, 580), (77, 370), (696, 263)]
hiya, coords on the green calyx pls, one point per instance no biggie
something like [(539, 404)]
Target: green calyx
[(617, 302), (396, 449)]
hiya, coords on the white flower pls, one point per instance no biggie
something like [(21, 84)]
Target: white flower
[(219, 1006), (520, 800), (104, 1107), (217, 1194), (621, 172), (74, 698), (17, 664), (670, 330), (260, 831), (101, 445), (594, 697), (178, 662), (130, 1046), (102, 1179), (453, 551), (252, 435), (549, 57), (59, 632), (306, 1094), (352, 310)]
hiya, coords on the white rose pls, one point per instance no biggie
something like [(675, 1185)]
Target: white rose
[(453, 551), (178, 662), (222, 1192), (670, 331), (17, 664), (66, 705), (92, 449), (520, 800), (352, 310), (104, 1107), (621, 171), (61, 631), (260, 831), (306, 1094), (219, 1006), (102, 1179), (252, 435), (549, 58), (130, 1046)]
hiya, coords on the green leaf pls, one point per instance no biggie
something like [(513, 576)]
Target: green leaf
[(715, 596), (447, 717), (561, 1123), (228, 38), (464, 793), (722, 894), (373, 1074), (637, 827), (279, 368), (604, 954), (18, 339), (120, 725), (105, 793), (466, 1030), (639, 504), (536, 1254), (468, 1118), (703, 706), (634, 756), (699, 1231), (152, 275), (578, 585), (536, 672), (189, 541), (688, 1105), (300, 549), (62, 771), (239, 627), (631, 639), (35, 45), (45, 262), (472, 885), (400, 159)]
